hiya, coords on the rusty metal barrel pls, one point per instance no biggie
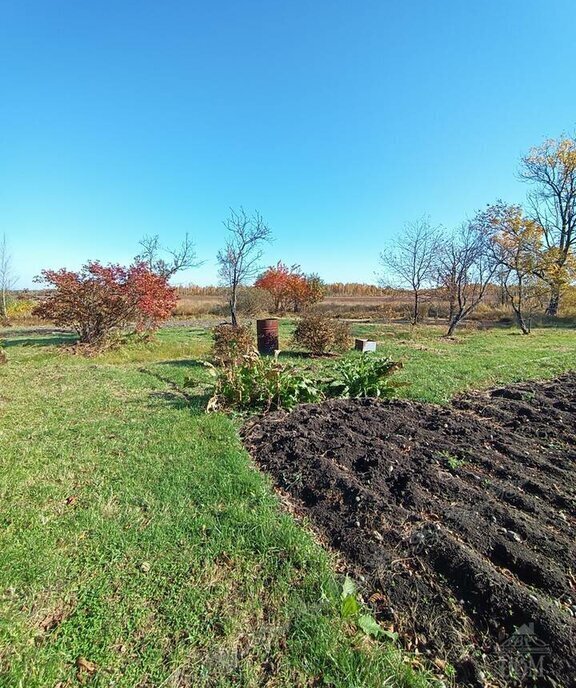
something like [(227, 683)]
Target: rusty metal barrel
[(267, 335)]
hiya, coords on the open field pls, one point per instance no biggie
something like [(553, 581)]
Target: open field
[(390, 305), (140, 547)]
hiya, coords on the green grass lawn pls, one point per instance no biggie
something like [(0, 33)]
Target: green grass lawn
[(437, 368), (139, 547)]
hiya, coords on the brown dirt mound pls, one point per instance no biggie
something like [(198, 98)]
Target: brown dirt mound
[(461, 518)]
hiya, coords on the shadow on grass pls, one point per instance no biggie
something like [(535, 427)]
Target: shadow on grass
[(42, 340), (537, 322), (568, 323), (289, 354), (183, 363), (195, 403), (177, 397)]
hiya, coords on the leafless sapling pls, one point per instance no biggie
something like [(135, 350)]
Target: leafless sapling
[(411, 259), (239, 260), (466, 266), (8, 278)]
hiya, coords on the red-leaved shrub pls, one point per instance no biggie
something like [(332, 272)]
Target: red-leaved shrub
[(103, 299), (290, 288)]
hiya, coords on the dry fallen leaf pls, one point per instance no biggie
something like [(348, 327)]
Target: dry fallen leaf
[(50, 621), (440, 663), (85, 667)]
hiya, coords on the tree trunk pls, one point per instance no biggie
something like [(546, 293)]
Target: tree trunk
[(451, 305), (233, 307), (3, 305), (453, 324), (523, 326), (552, 308), (521, 320), (518, 307), (415, 314)]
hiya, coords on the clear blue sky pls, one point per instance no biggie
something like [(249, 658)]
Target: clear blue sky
[(338, 120)]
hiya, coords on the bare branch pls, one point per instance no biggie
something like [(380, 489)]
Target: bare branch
[(466, 267), (239, 260), (8, 279), (551, 170), (411, 258), (182, 258)]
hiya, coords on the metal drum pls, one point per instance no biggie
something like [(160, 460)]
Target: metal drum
[(267, 335)]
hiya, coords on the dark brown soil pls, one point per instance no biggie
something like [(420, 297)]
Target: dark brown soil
[(459, 520)]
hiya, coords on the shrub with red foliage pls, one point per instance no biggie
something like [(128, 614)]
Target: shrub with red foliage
[(289, 287), (102, 299)]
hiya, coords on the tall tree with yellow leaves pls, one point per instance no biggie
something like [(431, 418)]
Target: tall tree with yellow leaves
[(551, 170), (518, 244)]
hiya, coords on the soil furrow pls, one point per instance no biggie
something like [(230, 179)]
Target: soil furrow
[(461, 518)]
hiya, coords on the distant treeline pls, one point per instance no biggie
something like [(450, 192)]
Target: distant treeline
[(330, 289)]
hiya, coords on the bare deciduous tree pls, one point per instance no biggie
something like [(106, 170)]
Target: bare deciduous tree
[(551, 168), (412, 257), (466, 266), (181, 258), (7, 277), (240, 259)]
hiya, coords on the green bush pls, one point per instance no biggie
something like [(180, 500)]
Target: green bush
[(321, 334), (233, 345), (265, 384), (365, 375), (262, 384)]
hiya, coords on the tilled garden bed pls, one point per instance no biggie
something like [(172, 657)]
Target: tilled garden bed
[(459, 520)]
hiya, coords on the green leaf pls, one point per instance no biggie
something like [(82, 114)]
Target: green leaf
[(349, 587), (389, 634), (350, 607), (369, 625)]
